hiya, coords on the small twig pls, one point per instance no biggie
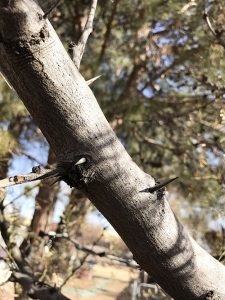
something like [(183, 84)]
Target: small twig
[(11, 259), (37, 173), (206, 17), (9, 85), (108, 30), (78, 50), (90, 250), (151, 141), (187, 6), (45, 16), (213, 31), (206, 177), (29, 156), (81, 262), (21, 195)]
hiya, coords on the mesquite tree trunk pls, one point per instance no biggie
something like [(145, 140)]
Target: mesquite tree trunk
[(58, 98)]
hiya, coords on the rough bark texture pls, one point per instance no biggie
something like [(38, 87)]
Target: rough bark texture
[(38, 67)]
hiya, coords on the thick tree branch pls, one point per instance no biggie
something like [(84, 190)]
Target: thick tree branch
[(61, 103)]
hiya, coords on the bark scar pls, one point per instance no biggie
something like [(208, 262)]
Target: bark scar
[(211, 295)]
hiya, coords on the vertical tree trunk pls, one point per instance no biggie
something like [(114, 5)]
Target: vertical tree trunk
[(45, 202)]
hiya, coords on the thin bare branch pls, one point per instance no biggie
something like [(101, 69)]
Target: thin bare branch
[(37, 173), (45, 16), (29, 156), (206, 17), (151, 141), (187, 6), (108, 30), (216, 34), (74, 270), (90, 250), (78, 49), (27, 191), (9, 85)]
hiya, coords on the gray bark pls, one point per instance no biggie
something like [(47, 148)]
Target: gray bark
[(58, 98)]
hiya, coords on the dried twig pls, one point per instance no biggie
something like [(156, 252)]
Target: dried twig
[(27, 191), (9, 85), (29, 156), (187, 6), (82, 261), (90, 250), (45, 16), (78, 49), (37, 173), (108, 30), (216, 34)]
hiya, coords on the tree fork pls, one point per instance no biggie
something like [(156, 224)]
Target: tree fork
[(34, 61)]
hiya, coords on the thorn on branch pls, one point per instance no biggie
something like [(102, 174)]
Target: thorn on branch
[(37, 173), (158, 186), (70, 172), (78, 49), (90, 81), (81, 161)]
